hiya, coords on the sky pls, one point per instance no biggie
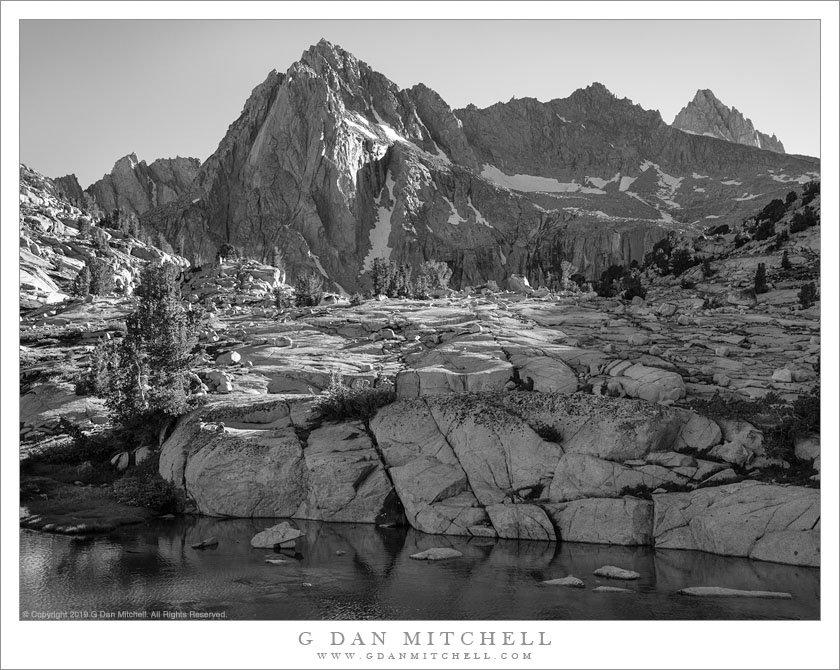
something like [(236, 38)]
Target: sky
[(92, 91)]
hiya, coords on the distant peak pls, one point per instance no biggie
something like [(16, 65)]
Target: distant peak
[(129, 159), (325, 51), (706, 114), (598, 87)]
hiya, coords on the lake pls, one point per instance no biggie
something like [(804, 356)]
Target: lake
[(358, 571)]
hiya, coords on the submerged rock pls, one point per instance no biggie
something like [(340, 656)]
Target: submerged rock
[(612, 572), (281, 534), (570, 581), (437, 554), (720, 592)]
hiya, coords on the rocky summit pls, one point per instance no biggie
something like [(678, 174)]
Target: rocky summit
[(706, 115), (333, 165), (670, 402)]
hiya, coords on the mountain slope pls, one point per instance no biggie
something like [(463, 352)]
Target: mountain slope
[(331, 165), (706, 115)]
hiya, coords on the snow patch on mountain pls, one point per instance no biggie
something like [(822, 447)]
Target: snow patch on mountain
[(390, 133), (625, 183), (478, 218), (597, 182), (533, 184), (381, 231), (454, 218), (357, 127)]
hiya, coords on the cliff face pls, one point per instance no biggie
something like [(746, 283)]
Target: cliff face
[(136, 187), (69, 189), (706, 115), (332, 165)]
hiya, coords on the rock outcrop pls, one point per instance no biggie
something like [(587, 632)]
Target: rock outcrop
[(59, 235), (135, 187), (507, 465), (762, 521), (706, 115)]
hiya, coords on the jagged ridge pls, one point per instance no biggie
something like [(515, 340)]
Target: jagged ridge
[(706, 115)]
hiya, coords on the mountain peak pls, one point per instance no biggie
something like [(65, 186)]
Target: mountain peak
[(596, 87), (707, 115)]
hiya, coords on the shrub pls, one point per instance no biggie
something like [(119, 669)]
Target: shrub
[(607, 286), (309, 290), (808, 295), (687, 284), (722, 229), (772, 212), (100, 239), (282, 299), (790, 198), (735, 407), (97, 449), (741, 239), (81, 284), (803, 220), (631, 285), (94, 380), (438, 274), (84, 227), (681, 260), (781, 239), (760, 280), (707, 269), (356, 299), (359, 401), (659, 258), (800, 419), (144, 487), (810, 191), (786, 264), (765, 230), (226, 252)]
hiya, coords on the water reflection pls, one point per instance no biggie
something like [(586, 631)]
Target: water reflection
[(349, 571)]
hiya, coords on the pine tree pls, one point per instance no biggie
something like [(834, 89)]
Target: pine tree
[(101, 276), (760, 281), (786, 264), (81, 285), (145, 378)]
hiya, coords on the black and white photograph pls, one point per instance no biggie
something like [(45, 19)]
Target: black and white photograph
[(436, 339)]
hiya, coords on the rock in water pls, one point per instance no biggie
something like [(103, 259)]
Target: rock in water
[(610, 589), (206, 544), (570, 581), (276, 561), (720, 592), (282, 533), (612, 572), (437, 554)]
